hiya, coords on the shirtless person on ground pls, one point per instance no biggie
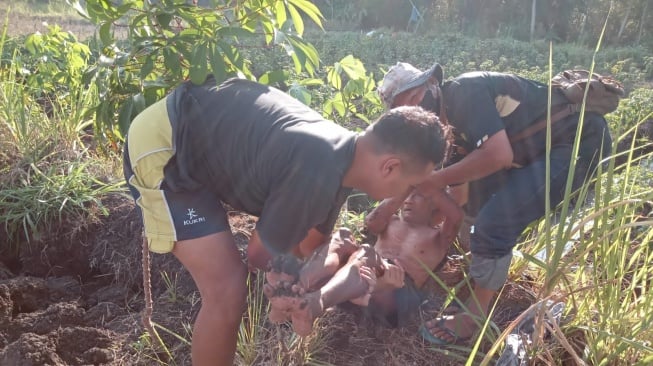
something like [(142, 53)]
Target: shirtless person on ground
[(387, 277)]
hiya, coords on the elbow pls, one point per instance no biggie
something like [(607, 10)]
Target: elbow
[(458, 214), (374, 227), (506, 159)]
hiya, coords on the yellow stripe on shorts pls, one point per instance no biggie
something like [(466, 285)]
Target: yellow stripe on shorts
[(150, 148)]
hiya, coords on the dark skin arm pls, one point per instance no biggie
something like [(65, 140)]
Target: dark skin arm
[(452, 216), (377, 220), (493, 155)]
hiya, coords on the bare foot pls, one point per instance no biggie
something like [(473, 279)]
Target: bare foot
[(283, 268), (450, 329), (274, 278), (326, 261), (278, 316), (302, 311), (369, 276)]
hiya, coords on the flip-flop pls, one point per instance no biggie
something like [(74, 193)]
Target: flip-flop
[(427, 336)]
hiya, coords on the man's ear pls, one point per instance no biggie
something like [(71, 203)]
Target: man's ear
[(390, 166)]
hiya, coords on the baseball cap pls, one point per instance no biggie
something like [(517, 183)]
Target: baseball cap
[(404, 76)]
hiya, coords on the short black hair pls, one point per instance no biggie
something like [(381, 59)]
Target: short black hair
[(413, 132)]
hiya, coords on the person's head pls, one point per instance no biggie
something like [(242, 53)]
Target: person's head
[(405, 85), (398, 151), (418, 209)]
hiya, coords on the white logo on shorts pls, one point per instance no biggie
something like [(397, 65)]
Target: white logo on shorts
[(193, 218)]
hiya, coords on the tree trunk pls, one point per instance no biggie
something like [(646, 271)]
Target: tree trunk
[(642, 20), (533, 13), (623, 23)]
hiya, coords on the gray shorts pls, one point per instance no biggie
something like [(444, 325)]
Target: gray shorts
[(490, 273)]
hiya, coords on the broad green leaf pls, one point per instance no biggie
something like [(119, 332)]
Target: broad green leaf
[(218, 67), (147, 68), (79, 8), (105, 34), (164, 20), (139, 103), (232, 55), (311, 82), (198, 64), (234, 32), (353, 67), (339, 104), (125, 115), (327, 107), (171, 61), (308, 49), (296, 19), (268, 29), (310, 9), (32, 43), (333, 78), (272, 77), (280, 12), (300, 93)]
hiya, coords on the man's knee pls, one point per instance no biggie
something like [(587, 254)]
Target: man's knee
[(491, 239), (228, 293), (490, 273)]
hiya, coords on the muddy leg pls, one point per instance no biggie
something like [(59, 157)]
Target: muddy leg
[(348, 284), (327, 260)]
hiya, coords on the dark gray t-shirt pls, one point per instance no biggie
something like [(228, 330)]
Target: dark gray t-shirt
[(262, 152)]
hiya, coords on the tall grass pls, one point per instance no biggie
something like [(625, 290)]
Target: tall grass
[(48, 172)]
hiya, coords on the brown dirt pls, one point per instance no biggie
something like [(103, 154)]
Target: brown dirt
[(75, 298)]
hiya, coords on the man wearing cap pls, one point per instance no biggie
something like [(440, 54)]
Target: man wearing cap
[(498, 168)]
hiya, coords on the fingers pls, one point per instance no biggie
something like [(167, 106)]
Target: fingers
[(368, 275), (395, 275)]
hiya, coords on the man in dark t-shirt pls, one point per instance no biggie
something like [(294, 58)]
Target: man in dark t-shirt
[(265, 153), (502, 181)]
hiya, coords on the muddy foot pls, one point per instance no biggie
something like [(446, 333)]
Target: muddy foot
[(284, 268), (280, 311), (303, 311)]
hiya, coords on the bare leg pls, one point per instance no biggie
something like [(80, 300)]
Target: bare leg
[(215, 265), (327, 260), (349, 282)]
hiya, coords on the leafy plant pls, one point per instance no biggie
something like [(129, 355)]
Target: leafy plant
[(169, 41)]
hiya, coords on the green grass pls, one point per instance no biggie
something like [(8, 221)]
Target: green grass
[(598, 254), (59, 9)]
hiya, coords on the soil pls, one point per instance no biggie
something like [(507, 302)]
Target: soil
[(76, 297)]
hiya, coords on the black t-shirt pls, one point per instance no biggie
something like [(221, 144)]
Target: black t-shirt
[(480, 104), (262, 152)]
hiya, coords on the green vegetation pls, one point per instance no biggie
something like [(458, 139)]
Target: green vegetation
[(65, 105)]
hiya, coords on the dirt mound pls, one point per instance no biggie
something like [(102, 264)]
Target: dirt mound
[(75, 297), (61, 302)]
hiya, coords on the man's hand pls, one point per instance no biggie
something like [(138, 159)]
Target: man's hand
[(368, 275), (377, 220), (393, 276), (257, 256), (432, 184)]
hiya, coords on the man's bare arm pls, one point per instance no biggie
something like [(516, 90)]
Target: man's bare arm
[(377, 220), (453, 215), (257, 256)]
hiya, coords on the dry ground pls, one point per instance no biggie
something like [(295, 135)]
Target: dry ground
[(21, 21), (76, 297)]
